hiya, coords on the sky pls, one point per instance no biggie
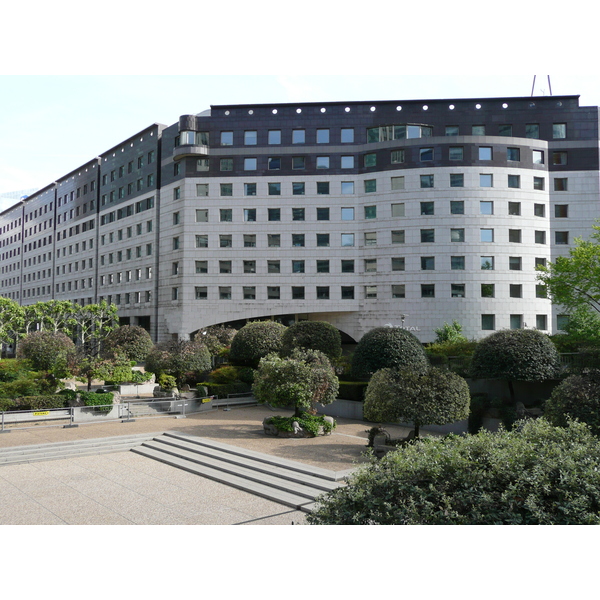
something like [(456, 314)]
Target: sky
[(52, 124)]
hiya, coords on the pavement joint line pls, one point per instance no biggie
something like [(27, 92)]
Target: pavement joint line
[(281, 514)]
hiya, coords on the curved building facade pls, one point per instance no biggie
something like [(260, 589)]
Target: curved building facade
[(362, 214)]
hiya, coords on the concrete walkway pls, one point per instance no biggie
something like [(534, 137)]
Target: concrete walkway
[(125, 488)]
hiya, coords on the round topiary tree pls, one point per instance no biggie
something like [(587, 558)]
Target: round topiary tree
[(312, 335), (436, 397), (577, 397), (388, 348), (516, 355), (255, 341), (129, 341), (183, 359), (47, 351)]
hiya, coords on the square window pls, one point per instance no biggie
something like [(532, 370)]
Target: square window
[(273, 293), (516, 290), (322, 162), (457, 180), (539, 183), (226, 215), (398, 210), (561, 184), (274, 189), (426, 154), (486, 180), (250, 189), (427, 263), (514, 236), (347, 292), (322, 136), (370, 160), (486, 208), (427, 236), (427, 181), (370, 212), (559, 158), (226, 138), (515, 263), (540, 262), (487, 235), (488, 290), (485, 153), (274, 214), (514, 208), (298, 136), (541, 291), (298, 214), (250, 138), (274, 163), (370, 186), (487, 263), (541, 322), (532, 130), (249, 293), (427, 208), (347, 266), (456, 153), (398, 264), (505, 130), (226, 164), (297, 293), (458, 290), (224, 293), (250, 164), (347, 214), (322, 266), (397, 156), (274, 136), (371, 238), (298, 188), (249, 266), (273, 266), (370, 265), (398, 237), (514, 181), (347, 135), (201, 266), (488, 322), (250, 215), (457, 235), (559, 131), (457, 263), (225, 241), (538, 157), (516, 321), (297, 266), (322, 188), (249, 241), (539, 210), (561, 237), (371, 292), (224, 266), (323, 214), (540, 237), (561, 211), (427, 290), (322, 293), (347, 162), (347, 240), (397, 183), (298, 240), (201, 293), (457, 207), (347, 187), (513, 154), (226, 189), (399, 291), (298, 163)]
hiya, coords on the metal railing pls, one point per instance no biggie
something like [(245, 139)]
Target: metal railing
[(81, 415)]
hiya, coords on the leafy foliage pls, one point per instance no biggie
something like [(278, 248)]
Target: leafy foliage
[(535, 474), (574, 281), (47, 351), (185, 360), (130, 341), (436, 397), (449, 333), (582, 331), (577, 397), (312, 335), (520, 354), (314, 424), (255, 341), (216, 338), (388, 348), (301, 380)]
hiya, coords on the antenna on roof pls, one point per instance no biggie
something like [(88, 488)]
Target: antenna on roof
[(542, 90)]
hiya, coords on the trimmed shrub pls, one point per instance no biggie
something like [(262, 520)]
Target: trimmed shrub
[(436, 397), (130, 341), (40, 402), (255, 341), (12, 369), (537, 474), (47, 351), (312, 335), (187, 361), (388, 348), (103, 401), (577, 397)]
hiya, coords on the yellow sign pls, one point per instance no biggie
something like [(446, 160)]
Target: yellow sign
[(41, 414), (206, 400)]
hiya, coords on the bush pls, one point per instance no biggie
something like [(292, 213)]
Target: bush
[(436, 397), (312, 335), (536, 474), (40, 402), (577, 397), (47, 351), (187, 361), (388, 348), (130, 341), (255, 341), (12, 369), (103, 401)]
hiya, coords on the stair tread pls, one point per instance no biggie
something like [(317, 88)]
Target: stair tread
[(260, 489), (303, 489), (251, 463)]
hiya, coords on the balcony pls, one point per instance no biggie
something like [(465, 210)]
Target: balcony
[(190, 151)]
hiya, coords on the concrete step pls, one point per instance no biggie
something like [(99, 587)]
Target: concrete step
[(290, 483), (254, 487), (59, 450)]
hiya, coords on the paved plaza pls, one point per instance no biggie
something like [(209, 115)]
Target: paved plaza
[(124, 488)]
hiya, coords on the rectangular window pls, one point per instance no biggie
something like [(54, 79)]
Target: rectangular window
[(505, 130), (322, 162), (274, 214), (426, 154), (250, 189), (249, 293), (427, 236), (540, 237), (224, 293), (513, 154), (322, 266), (274, 136), (487, 235), (249, 266), (561, 238), (457, 207), (298, 163), (274, 189), (370, 212), (457, 263), (274, 240), (427, 181), (488, 322), (514, 208), (202, 215), (427, 208), (274, 163), (539, 210), (226, 215), (225, 241), (541, 322), (514, 181), (485, 153), (486, 180), (370, 292), (457, 235), (370, 186), (347, 266), (224, 266), (370, 160), (347, 214), (559, 158), (322, 240), (538, 157), (516, 290), (397, 156), (347, 292), (298, 240), (398, 237), (322, 136), (298, 266), (488, 290), (516, 321), (322, 188), (250, 138), (539, 183), (532, 130), (458, 290), (298, 214), (398, 264), (398, 210), (273, 266), (226, 164), (323, 214), (297, 293), (273, 293), (561, 184), (561, 211), (452, 130), (487, 263), (486, 208), (514, 236), (399, 291), (322, 293), (201, 266), (559, 131), (427, 263), (371, 238), (347, 135), (456, 153), (250, 164), (226, 138), (347, 240), (249, 241), (347, 187), (478, 130), (298, 136), (347, 162), (427, 290), (250, 215), (515, 263), (397, 183)]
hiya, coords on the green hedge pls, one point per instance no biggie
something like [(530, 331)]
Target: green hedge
[(40, 402), (352, 390)]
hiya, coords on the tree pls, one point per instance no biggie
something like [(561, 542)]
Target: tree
[(92, 323), (216, 338), (450, 334), (11, 321), (130, 341), (436, 397), (388, 348), (301, 380), (312, 335), (574, 281), (47, 351), (255, 341), (537, 474), (183, 359), (516, 355), (577, 397)]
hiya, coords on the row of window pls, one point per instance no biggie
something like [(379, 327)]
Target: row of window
[(149, 158)]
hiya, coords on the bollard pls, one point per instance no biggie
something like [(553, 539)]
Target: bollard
[(4, 430), (71, 419)]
